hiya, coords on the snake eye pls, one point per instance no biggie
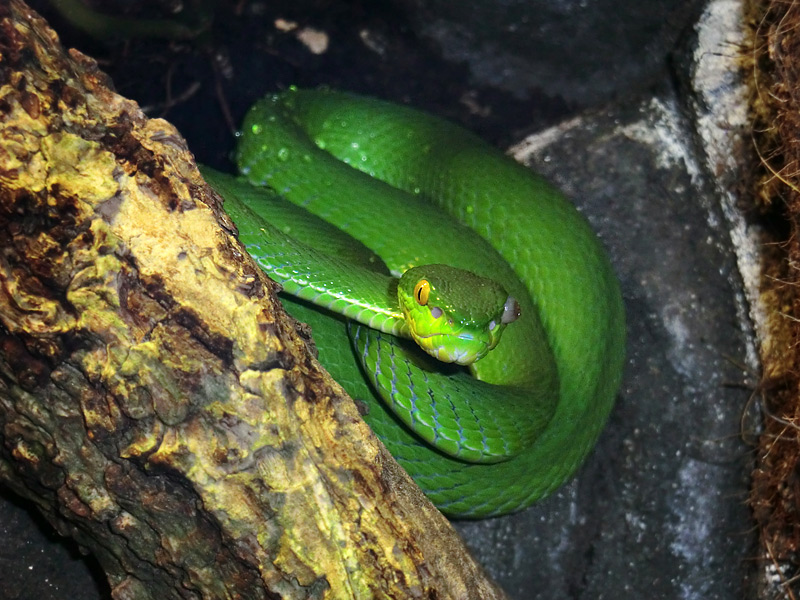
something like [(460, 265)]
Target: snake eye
[(421, 291), (511, 311)]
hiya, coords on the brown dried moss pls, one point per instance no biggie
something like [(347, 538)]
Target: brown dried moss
[(775, 69)]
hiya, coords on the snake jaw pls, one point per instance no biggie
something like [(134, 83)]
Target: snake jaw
[(459, 348), (452, 341)]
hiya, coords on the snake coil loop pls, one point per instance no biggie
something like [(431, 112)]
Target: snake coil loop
[(417, 190)]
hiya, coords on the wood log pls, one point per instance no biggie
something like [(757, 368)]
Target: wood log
[(156, 403)]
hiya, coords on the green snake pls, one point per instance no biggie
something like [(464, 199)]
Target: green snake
[(398, 224)]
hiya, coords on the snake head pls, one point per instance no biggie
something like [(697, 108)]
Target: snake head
[(453, 314)]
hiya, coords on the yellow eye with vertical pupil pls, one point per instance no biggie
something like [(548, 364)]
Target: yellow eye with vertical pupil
[(421, 291)]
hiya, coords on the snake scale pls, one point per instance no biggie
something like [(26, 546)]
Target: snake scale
[(374, 189)]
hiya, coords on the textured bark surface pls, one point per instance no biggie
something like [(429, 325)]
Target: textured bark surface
[(155, 402)]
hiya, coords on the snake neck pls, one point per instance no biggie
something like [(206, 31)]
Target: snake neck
[(317, 263)]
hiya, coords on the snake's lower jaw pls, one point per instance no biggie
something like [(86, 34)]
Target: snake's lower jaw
[(461, 349), (461, 346)]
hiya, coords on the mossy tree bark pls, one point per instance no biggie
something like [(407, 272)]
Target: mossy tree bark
[(156, 403)]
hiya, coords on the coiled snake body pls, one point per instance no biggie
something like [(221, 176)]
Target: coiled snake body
[(416, 190)]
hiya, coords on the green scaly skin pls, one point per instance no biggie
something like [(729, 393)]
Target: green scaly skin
[(417, 190)]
